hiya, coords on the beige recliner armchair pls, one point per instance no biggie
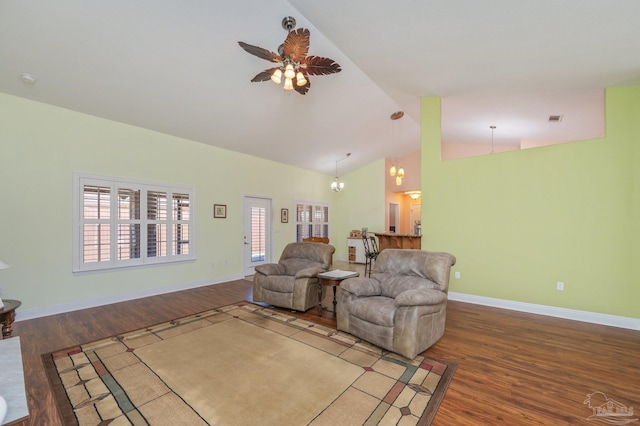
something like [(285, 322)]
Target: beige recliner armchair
[(402, 307), (293, 281)]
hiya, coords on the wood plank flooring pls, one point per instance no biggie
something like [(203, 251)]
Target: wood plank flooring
[(513, 368)]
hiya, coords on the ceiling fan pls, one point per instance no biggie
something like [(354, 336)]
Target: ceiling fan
[(292, 60)]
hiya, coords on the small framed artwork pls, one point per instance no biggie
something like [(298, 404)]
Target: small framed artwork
[(284, 215), (220, 211)]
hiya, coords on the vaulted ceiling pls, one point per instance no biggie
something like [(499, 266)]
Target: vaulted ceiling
[(176, 67)]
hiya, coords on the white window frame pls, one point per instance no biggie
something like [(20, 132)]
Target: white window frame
[(313, 223), (114, 183)]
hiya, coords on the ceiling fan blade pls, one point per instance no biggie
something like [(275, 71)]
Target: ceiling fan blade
[(302, 89), (296, 45), (260, 52), (317, 65), (264, 75)]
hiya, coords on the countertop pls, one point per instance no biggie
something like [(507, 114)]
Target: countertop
[(395, 234)]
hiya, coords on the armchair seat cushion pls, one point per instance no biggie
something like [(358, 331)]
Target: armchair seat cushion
[(280, 283), (378, 310)]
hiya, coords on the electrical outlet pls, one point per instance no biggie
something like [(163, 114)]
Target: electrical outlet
[(560, 286), (456, 274)]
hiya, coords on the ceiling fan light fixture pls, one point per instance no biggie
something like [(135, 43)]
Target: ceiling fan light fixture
[(276, 77), (300, 79), (292, 59), (288, 84), (289, 72)]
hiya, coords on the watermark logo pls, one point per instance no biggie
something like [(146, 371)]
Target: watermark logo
[(607, 410)]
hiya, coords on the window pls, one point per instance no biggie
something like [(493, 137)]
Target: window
[(312, 220), (119, 223)]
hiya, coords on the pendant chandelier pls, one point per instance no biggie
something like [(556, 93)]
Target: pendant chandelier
[(396, 135), (336, 185)]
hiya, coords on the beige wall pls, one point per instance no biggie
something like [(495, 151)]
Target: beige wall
[(41, 146)]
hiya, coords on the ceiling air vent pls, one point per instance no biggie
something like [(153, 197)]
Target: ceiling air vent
[(555, 118)]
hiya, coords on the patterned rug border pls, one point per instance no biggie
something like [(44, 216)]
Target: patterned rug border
[(66, 411)]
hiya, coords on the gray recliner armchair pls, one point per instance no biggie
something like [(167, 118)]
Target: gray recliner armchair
[(293, 281), (402, 307)]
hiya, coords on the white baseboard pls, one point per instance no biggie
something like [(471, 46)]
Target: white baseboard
[(552, 311), (27, 314), (572, 314)]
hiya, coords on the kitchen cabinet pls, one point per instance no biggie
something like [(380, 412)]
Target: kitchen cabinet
[(355, 248)]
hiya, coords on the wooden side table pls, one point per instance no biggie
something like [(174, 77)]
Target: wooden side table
[(8, 315), (333, 279)]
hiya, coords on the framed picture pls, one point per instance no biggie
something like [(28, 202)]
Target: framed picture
[(220, 211), (284, 215)]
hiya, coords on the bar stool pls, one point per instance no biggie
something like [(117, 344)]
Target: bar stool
[(370, 252)]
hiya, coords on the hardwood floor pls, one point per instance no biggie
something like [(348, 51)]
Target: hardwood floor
[(513, 368)]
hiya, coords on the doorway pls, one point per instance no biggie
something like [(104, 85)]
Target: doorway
[(257, 233), (415, 218), (394, 217)]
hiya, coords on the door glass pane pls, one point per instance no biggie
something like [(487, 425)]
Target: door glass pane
[(258, 234)]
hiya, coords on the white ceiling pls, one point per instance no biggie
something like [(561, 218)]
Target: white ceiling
[(176, 67)]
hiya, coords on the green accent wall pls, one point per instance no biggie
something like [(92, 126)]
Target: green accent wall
[(520, 221)]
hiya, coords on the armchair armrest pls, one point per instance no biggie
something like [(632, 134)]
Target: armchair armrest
[(361, 286), (420, 298), (309, 272), (271, 269)]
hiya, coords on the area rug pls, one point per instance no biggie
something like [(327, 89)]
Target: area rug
[(243, 364)]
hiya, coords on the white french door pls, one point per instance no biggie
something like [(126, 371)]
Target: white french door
[(257, 233)]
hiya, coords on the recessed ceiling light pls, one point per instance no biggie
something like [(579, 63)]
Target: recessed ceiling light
[(555, 118), (27, 78)]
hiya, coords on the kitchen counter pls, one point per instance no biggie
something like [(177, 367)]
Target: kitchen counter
[(399, 241)]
